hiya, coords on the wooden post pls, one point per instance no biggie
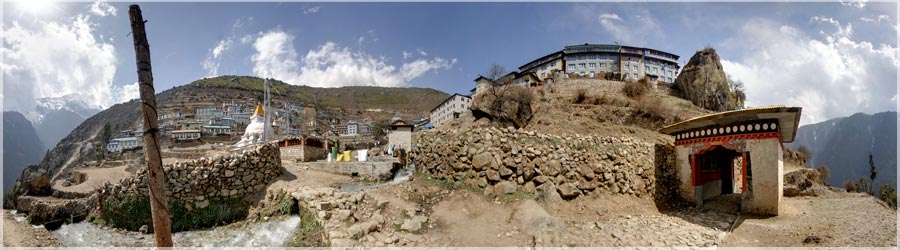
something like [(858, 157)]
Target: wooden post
[(158, 209)]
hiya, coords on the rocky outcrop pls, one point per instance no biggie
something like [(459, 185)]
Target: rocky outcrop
[(553, 167), (508, 105), (703, 82)]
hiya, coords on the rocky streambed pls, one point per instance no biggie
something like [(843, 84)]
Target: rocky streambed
[(276, 232)]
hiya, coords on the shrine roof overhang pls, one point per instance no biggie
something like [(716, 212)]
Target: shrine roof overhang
[(786, 118)]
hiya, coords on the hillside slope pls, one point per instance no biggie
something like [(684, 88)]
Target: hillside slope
[(598, 107)]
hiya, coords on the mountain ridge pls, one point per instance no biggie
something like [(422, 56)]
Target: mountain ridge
[(844, 143)]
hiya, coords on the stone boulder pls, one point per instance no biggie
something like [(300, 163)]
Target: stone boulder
[(547, 192), (482, 161), (507, 105), (703, 82), (569, 191), (505, 187), (414, 224)]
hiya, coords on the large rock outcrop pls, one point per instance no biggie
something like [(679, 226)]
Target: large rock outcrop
[(507, 105), (703, 82)]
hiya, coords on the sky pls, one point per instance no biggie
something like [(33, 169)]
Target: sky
[(833, 59)]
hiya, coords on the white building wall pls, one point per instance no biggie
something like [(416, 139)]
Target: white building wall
[(401, 137), (444, 112)]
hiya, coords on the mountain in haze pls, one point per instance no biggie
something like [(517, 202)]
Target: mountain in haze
[(57, 124), (844, 145), (21, 146), (54, 117)]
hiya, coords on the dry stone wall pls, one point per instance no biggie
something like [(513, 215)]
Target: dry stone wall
[(194, 183), (507, 160)]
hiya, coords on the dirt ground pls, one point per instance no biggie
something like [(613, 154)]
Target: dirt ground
[(840, 220), (22, 234), (463, 217), (94, 178)]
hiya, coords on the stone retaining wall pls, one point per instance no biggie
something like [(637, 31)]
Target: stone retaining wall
[(302, 153), (505, 161), (195, 182), (370, 170)]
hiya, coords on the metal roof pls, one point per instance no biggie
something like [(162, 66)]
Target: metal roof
[(788, 120)]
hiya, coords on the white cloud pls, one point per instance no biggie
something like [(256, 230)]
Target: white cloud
[(407, 55), (213, 60), (877, 19), (418, 67), (50, 59), (422, 52), (311, 10), (610, 16), (127, 92), (840, 31), (102, 8), (632, 31), (246, 39), (332, 66), (831, 78), (275, 56), (854, 3)]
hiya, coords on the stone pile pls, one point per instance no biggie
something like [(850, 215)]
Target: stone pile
[(508, 160), (195, 182), (357, 219)]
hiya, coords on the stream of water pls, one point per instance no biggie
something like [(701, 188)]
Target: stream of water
[(401, 176), (272, 233)]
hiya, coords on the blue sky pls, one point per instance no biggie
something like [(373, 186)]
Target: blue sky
[(834, 59)]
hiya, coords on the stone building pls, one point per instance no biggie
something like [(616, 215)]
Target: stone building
[(188, 134), (302, 149), (204, 114), (735, 153), (481, 84), (122, 144), (450, 109), (400, 134), (217, 130), (591, 59)]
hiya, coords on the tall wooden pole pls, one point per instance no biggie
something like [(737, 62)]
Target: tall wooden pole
[(159, 211)]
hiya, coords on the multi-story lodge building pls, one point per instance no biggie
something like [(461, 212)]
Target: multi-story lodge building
[(450, 108), (590, 59)]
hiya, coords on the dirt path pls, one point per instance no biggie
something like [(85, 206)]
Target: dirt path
[(845, 219), (94, 178), (22, 234)]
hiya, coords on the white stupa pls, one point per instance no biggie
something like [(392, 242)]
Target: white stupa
[(254, 132)]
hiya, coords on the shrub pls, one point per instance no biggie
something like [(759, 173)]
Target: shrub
[(824, 173), (889, 195), (580, 96), (636, 90), (8, 198), (652, 110), (862, 186), (131, 212), (850, 185)]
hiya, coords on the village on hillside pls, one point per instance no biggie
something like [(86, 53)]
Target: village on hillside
[(599, 145)]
